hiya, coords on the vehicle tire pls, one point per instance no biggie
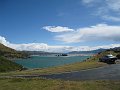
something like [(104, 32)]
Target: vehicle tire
[(100, 60)]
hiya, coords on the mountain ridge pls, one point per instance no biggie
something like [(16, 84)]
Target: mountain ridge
[(88, 52)]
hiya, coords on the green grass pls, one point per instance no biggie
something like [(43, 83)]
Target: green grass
[(7, 65), (45, 84)]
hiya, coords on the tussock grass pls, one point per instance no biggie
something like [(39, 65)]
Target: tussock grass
[(45, 84), (7, 65)]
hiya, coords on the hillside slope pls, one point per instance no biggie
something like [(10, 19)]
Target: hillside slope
[(7, 65), (11, 53), (8, 53)]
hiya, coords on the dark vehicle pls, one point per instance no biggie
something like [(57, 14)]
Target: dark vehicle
[(108, 59)]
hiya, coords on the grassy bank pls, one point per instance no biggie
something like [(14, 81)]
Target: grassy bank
[(7, 65), (45, 84)]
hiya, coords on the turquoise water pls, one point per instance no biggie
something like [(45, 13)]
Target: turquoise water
[(44, 62)]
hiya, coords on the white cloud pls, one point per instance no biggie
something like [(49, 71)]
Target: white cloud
[(72, 37), (30, 46), (3, 41), (48, 48), (106, 9), (35, 46), (88, 1), (113, 4), (57, 29), (106, 46), (99, 32), (111, 18)]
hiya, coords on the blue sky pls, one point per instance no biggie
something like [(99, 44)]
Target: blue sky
[(59, 24)]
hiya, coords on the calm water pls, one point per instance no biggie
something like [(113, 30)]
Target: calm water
[(44, 62)]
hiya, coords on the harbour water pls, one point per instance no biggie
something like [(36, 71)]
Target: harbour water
[(47, 61)]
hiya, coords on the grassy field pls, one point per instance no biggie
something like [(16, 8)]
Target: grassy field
[(45, 84)]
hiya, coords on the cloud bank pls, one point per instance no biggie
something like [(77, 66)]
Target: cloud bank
[(101, 32), (48, 48)]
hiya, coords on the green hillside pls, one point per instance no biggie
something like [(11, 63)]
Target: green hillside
[(8, 53), (11, 53), (7, 65)]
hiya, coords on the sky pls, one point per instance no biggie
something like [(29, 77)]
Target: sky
[(60, 25)]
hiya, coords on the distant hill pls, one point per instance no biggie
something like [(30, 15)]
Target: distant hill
[(117, 49), (87, 52), (40, 53), (11, 53)]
